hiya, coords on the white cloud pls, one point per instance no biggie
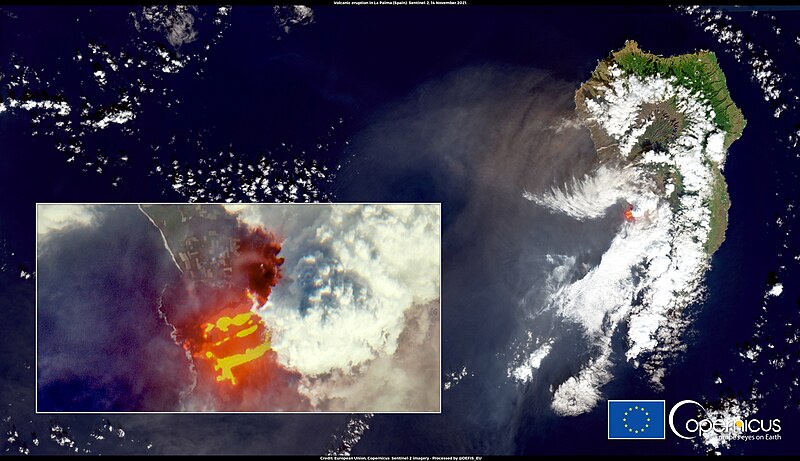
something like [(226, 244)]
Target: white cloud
[(351, 273), (175, 22), (455, 377), (57, 107), (716, 147), (776, 290), (408, 380), (523, 373), (580, 393), (590, 196), (51, 218), (118, 116)]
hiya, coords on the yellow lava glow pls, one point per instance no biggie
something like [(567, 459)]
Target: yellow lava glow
[(223, 323), (247, 332), (240, 329), (226, 364)]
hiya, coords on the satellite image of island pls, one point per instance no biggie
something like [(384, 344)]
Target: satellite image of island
[(378, 229)]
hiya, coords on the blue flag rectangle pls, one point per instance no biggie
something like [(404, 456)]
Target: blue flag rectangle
[(636, 419)]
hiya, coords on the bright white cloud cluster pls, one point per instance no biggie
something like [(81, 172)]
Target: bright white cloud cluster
[(351, 273), (118, 116), (175, 22), (349, 437), (590, 196), (580, 393), (57, 108), (228, 178), (776, 290), (453, 378), (51, 218), (654, 266), (523, 373)]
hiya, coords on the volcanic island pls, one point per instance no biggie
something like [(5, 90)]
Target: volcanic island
[(684, 92)]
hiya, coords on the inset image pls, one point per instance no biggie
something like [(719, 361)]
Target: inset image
[(238, 308)]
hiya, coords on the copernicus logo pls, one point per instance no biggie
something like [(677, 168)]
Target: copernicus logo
[(636, 419), (702, 423)]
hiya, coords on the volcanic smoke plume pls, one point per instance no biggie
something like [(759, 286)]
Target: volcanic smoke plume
[(256, 263), (213, 311)]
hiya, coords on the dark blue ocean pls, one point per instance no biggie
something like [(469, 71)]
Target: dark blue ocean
[(260, 95)]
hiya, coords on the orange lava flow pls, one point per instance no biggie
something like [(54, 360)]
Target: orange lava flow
[(217, 322), (227, 338), (232, 339), (629, 214)]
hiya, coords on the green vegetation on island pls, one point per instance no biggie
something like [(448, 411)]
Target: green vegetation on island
[(719, 204), (699, 72)]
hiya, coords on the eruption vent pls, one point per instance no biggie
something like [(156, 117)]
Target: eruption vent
[(629, 214), (256, 265)]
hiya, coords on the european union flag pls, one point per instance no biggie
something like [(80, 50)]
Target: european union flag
[(635, 419)]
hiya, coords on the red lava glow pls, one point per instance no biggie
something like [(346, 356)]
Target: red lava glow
[(236, 367), (231, 339), (230, 344), (629, 214)]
